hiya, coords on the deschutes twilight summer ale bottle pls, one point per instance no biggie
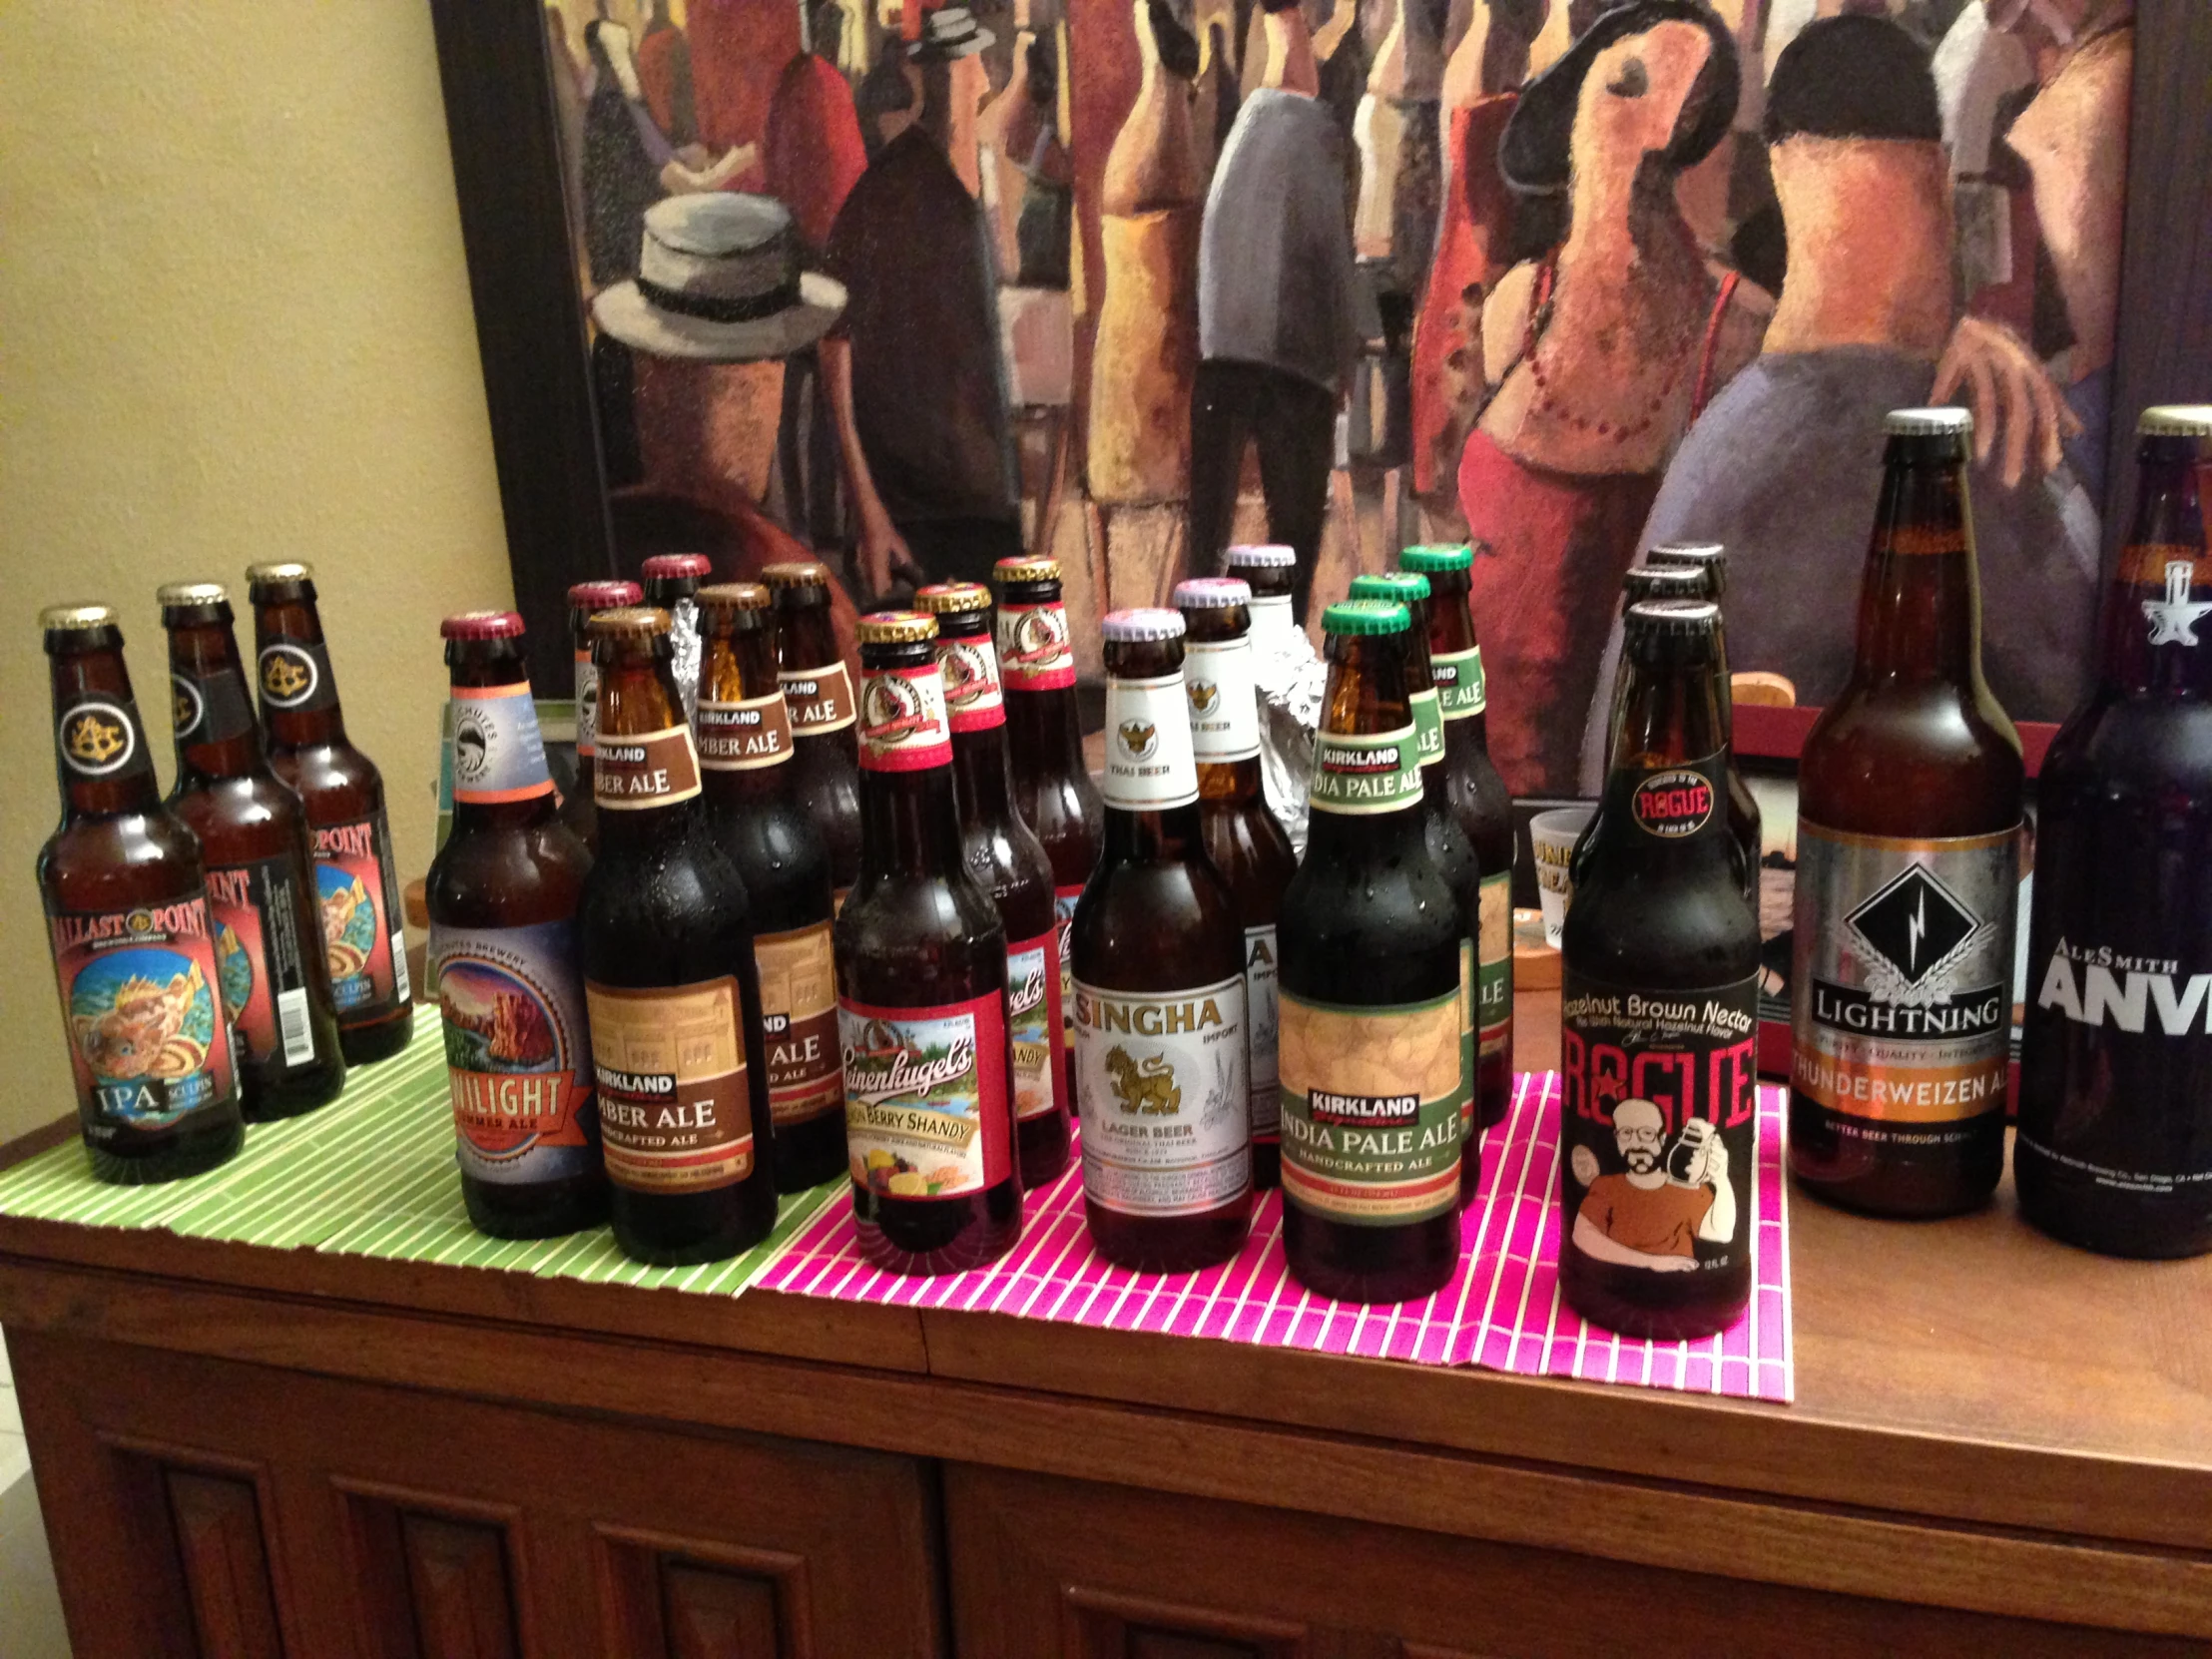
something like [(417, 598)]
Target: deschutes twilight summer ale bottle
[(1710, 560), (672, 583), (344, 797), (1371, 1047), (1007, 859), (1909, 822), (1659, 1009), (817, 692), (1159, 957), (502, 895), (127, 917), (684, 1116), (754, 815), (922, 986), (2114, 1151), (585, 601), (253, 832)]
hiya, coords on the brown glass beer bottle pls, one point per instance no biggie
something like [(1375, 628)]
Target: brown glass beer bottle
[(675, 1004), (344, 797), (1643, 582), (752, 811), (922, 986), (1909, 820), (127, 917), (1710, 560), (818, 693), (253, 832), (504, 958), (671, 584), (1007, 859), (585, 601)]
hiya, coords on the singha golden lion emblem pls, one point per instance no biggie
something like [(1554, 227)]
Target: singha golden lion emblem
[(1146, 1087)]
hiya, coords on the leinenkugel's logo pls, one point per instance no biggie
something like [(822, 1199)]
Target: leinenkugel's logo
[(893, 712), (1673, 804), (884, 1063), (968, 679), (1039, 640), (289, 676), (98, 739), (185, 706), (1916, 925), (1205, 697), (1140, 738)]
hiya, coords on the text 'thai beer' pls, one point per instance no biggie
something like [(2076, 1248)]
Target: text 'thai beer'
[(579, 809), (818, 691)]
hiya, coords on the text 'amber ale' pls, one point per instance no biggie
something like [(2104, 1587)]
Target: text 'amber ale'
[(579, 810), (818, 693)]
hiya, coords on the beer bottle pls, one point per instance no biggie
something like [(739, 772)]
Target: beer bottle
[(1478, 798), (126, 917), (344, 797), (1710, 560), (1909, 820), (585, 601), (253, 832), (1053, 789), (1659, 1008), (754, 815), (1371, 1049), (1012, 864), (818, 693), (502, 895), (2114, 1151), (675, 1004), (1159, 948), (1244, 840), (672, 583), (1270, 572), (1663, 582), (922, 986)]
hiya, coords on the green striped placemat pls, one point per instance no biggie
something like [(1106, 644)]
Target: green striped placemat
[(371, 1174)]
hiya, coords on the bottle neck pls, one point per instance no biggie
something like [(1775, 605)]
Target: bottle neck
[(1666, 790), (979, 761), (499, 770), (292, 673), (1169, 836), (1233, 782), (1920, 611), (2158, 605), (909, 825), (1272, 620), (216, 734), (100, 751), (1045, 733), (745, 733), (647, 772), (805, 638)]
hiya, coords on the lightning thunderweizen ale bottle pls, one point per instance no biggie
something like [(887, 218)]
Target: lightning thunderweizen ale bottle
[(502, 896), (1909, 820), (586, 600), (127, 917), (818, 691)]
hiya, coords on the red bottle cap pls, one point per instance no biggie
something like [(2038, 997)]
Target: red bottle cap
[(482, 625), (663, 566), (603, 596)]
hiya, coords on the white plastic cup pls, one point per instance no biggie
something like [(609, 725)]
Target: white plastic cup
[(1553, 836)]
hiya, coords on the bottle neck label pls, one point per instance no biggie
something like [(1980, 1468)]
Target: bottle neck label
[(798, 1014), (1149, 766), (1162, 1076), (1355, 773), (1677, 802), (209, 708), (1271, 616), (1033, 652), (1462, 685), (971, 686), (820, 699), (587, 705), (1225, 709), (675, 1108), (926, 1108), (498, 755), (518, 1064), (360, 916), (1372, 1109), (1428, 727), (294, 676), (260, 953), (2178, 615), (903, 723), (744, 736), (1261, 1016), (634, 770), (100, 737)]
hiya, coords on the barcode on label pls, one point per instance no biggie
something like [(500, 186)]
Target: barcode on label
[(292, 1025), (399, 964)]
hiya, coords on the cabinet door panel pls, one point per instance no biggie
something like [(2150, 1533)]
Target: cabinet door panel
[(226, 1564)]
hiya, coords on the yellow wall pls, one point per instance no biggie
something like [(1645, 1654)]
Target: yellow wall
[(233, 326)]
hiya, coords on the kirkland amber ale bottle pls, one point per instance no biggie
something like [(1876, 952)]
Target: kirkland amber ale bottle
[(585, 601), (502, 895), (818, 693), (1370, 1042), (671, 584), (1909, 820), (675, 1004), (1008, 861), (2115, 1144), (922, 986), (1710, 560), (752, 811), (1159, 948), (127, 917), (1659, 1009), (344, 797), (253, 832)]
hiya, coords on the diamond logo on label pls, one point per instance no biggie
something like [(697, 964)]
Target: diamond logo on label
[(1916, 924)]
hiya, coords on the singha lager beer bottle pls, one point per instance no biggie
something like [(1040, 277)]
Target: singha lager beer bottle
[(585, 601), (1270, 572), (1710, 560), (1909, 823), (1371, 1048), (2114, 1151), (818, 693), (253, 832), (671, 584), (1659, 1011), (344, 797), (126, 917), (922, 986), (676, 1033), (502, 895), (1052, 784), (1008, 861)]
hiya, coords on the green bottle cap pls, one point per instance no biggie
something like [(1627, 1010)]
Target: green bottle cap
[(1367, 616), (1405, 586), (1429, 560)]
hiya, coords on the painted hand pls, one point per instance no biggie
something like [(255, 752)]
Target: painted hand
[(2009, 392)]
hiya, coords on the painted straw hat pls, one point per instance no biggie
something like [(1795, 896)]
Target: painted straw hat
[(719, 281)]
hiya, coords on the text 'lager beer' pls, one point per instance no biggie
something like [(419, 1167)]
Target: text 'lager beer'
[(1371, 1051), (922, 986), (504, 893), (818, 693), (671, 584), (2115, 1143), (135, 947), (1908, 880), (1710, 560), (1659, 1008), (580, 810)]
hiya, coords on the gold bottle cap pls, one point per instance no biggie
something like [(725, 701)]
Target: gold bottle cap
[(286, 570), (70, 619), (953, 598), (2175, 420), (630, 622), (191, 592), (796, 573), (734, 596), (1026, 568), (896, 628)]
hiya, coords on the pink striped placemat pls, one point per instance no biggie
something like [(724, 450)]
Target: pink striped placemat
[(1501, 1307)]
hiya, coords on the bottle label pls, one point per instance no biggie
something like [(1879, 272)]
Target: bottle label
[(820, 699), (295, 674), (209, 708), (1033, 1013), (1493, 993), (1659, 1122), (1372, 1109), (1467, 1044), (746, 736), (360, 918), (925, 1104), (645, 769), (1674, 804), (1225, 709), (147, 1040), (518, 1062), (1149, 764), (100, 737), (1372, 771), (1261, 1018), (1064, 907), (903, 725), (1428, 728), (2174, 617), (498, 755), (1271, 616), (1033, 652), (972, 690), (1461, 687), (799, 1014), (260, 961), (674, 1110), (587, 705), (1902, 984), (1166, 1101)]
